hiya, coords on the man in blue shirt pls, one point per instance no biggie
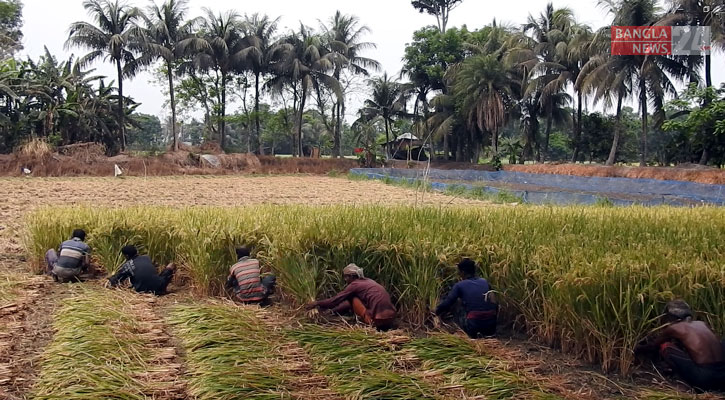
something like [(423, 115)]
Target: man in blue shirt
[(479, 303), (71, 259)]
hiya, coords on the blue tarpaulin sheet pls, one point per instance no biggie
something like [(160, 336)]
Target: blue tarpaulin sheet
[(564, 189)]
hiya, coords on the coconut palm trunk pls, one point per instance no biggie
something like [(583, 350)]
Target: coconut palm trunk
[(169, 73), (643, 138), (387, 135), (577, 129), (121, 112), (256, 112), (223, 107), (338, 134), (303, 99), (338, 126), (617, 131), (545, 153), (704, 158)]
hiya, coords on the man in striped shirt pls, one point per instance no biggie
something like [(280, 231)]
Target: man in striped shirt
[(71, 259), (244, 278)]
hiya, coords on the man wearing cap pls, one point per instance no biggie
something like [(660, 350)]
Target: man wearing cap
[(71, 259), (691, 348), (365, 297)]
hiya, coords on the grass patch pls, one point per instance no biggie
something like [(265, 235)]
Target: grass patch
[(230, 354), (415, 184), (479, 193), (98, 351)]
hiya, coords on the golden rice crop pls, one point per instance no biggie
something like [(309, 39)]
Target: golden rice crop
[(590, 280)]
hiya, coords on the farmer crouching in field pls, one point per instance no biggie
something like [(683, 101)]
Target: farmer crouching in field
[(140, 270), (479, 312), (244, 279), (72, 259), (690, 348), (365, 297)]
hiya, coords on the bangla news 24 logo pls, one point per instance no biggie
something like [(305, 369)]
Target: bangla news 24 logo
[(661, 40)]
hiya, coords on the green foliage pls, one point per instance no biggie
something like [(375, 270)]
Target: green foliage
[(11, 22), (58, 101), (501, 196), (604, 202), (431, 53), (702, 124), (146, 134)]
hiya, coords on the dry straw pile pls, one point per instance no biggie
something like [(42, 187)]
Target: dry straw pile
[(591, 280)]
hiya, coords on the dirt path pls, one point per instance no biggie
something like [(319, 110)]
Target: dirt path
[(25, 330), (166, 375), (307, 383)]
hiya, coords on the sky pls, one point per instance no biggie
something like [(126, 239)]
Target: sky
[(392, 23)]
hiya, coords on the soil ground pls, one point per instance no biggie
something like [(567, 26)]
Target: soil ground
[(30, 302), (20, 195)]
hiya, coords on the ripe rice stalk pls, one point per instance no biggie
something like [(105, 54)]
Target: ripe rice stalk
[(591, 280)]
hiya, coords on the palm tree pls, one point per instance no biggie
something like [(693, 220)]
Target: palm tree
[(304, 62), (169, 37), (445, 118), (610, 79), (650, 74), (551, 63), (345, 34), (571, 52), (486, 92), (387, 101), (260, 49), (115, 36), (691, 13), (222, 54)]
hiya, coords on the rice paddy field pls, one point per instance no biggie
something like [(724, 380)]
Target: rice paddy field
[(580, 287)]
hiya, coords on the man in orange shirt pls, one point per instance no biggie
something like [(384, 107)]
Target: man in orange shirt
[(244, 278)]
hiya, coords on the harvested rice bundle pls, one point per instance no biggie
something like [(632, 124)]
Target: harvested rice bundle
[(360, 364), (229, 353), (97, 351), (459, 364)]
